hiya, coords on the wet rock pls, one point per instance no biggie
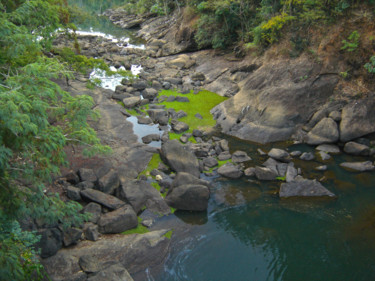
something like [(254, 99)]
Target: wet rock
[(109, 182), (114, 272), (230, 171), (131, 102), (307, 156), (240, 156), (118, 221), (358, 119), (102, 198), (190, 197), (179, 127), (91, 231), (71, 236), (87, 175), (326, 131), (356, 148), (73, 193), (329, 148), (359, 166), (179, 158), (50, 242), (150, 138), (279, 154), (304, 188), (265, 173), (94, 210)]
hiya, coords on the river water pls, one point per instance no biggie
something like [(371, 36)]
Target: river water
[(248, 233)]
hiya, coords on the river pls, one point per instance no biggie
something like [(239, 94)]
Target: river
[(248, 233)]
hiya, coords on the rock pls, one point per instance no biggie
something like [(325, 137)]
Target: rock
[(94, 210), (71, 177), (279, 154), (179, 127), (166, 85), (85, 185), (118, 221), (198, 116), (87, 175), (73, 193), (324, 156), (307, 156), (240, 157), (198, 76), (156, 85), (358, 166), (335, 115), (171, 99), (102, 198), (249, 172), (321, 168), (182, 99), (304, 188), (141, 194), (139, 85), (71, 236), (296, 153), (261, 152), (358, 119), (210, 162), (50, 242), (182, 61), (184, 138), (329, 148), (150, 138), (90, 264), (224, 145), (230, 171), (224, 156), (159, 116), (149, 93), (186, 179), (197, 133), (91, 231), (121, 96), (131, 102), (189, 197), (179, 158), (109, 182), (115, 272), (326, 131), (356, 148), (144, 120), (265, 173), (291, 173)]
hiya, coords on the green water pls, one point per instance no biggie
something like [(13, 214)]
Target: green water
[(248, 233)]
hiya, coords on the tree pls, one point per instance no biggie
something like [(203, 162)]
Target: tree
[(37, 120)]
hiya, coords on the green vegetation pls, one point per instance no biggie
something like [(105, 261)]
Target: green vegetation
[(281, 178), (153, 164), (140, 229), (351, 44), (169, 234), (37, 120), (370, 66)]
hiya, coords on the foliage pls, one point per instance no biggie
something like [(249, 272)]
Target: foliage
[(37, 120), (352, 43), (370, 66)]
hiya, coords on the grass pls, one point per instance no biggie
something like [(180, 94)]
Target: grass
[(140, 229), (169, 234), (153, 164)]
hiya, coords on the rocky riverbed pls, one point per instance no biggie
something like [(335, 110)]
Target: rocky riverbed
[(268, 100)]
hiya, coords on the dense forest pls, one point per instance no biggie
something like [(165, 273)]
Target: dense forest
[(38, 119)]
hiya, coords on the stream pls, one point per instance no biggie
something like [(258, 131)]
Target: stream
[(249, 233)]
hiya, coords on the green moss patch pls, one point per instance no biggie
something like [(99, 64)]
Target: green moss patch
[(140, 229), (169, 234), (153, 164)]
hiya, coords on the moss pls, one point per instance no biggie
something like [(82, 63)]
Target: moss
[(169, 234), (153, 164), (140, 229), (220, 163)]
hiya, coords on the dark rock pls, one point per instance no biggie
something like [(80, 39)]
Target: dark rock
[(91, 231), (102, 198), (210, 162), (186, 179), (115, 272), (198, 76), (182, 99), (131, 102), (149, 138), (149, 93), (279, 154), (87, 175), (166, 85), (240, 156), (71, 236), (156, 85), (189, 197), (85, 185), (329, 148), (139, 85), (171, 99), (197, 133), (230, 171), (94, 210), (73, 193), (179, 158), (356, 149), (307, 156), (359, 166), (181, 114), (109, 182), (326, 131), (144, 120), (159, 116), (72, 177), (304, 188), (118, 221), (50, 242), (358, 119), (198, 116), (265, 173)]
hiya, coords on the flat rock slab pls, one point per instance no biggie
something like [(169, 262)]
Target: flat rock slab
[(280, 155), (118, 221), (358, 166), (304, 188), (103, 199), (329, 148)]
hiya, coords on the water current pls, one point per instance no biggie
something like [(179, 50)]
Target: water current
[(249, 233)]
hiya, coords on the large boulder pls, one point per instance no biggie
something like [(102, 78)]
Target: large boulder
[(240, 156), (190, 197), (131, 102), (50, 242), (265, 173), (358, 119), (230, 170), (301, 187), (102, 198), (109, 182), (326, 131), (179, 158), (355, 148), (118, 221), (159, 116), (185, 178)]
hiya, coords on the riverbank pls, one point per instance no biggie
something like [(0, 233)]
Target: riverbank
[(221, 73)]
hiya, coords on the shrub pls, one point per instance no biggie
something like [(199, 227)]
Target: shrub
[(352, 43), (370, 66)]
